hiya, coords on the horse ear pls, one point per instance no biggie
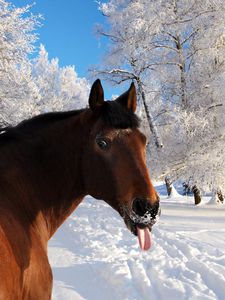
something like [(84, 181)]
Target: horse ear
[(96, 97), (129, 98)]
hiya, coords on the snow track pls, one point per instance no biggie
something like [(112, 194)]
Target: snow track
[(94, 256)]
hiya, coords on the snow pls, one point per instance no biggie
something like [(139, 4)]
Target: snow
[(94, 256)]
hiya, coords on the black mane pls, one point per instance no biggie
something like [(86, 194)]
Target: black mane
[(28, 126), (112, 113), (118, 116), (45, 119)]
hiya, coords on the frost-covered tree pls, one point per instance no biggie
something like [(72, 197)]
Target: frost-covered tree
[(59, 88), (192, 79), (31, 86), (17, 37)]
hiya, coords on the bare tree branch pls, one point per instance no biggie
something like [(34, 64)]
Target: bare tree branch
[(191, 19)]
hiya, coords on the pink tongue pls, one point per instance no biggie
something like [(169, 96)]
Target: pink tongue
[(144, 238)]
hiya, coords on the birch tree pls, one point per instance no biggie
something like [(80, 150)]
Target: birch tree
[(194, 31)]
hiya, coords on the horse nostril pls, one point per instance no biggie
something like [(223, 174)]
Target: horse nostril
[(140, 206)]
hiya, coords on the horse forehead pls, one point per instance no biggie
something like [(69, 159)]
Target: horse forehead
[(129, 137), (117, 133), (120, 132)]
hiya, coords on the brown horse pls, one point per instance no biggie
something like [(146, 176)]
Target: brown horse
[(48, 164)]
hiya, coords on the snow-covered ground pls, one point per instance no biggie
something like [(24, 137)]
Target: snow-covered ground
[(94, 256)]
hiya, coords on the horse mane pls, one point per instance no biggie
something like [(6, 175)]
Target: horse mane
[(28, 126), (112, 113), (118, 116)]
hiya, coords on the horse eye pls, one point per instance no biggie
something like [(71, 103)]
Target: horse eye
[(102, 143)]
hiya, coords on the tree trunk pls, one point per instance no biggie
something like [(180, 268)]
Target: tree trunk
[(182, 73), (153, 129), (197, 195), (187, 189), (181, 56), (220, 196), (168, 185)]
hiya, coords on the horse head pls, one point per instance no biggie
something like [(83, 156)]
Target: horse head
[(114, 162)]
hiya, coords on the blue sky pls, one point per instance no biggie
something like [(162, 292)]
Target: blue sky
[(68, 33)]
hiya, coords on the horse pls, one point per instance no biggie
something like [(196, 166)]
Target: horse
[(49, 163)]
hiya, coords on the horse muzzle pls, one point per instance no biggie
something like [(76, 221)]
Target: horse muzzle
[(140, 219)]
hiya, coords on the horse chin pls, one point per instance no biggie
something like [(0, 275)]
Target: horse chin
[(132, 226)]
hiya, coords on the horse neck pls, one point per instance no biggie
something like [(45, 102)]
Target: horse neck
[(49, 175)]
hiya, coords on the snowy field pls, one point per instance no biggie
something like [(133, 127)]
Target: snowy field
[(94, 256)]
